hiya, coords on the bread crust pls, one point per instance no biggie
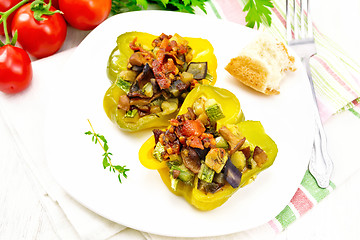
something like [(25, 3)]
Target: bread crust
[(251, 73), (257, 71)]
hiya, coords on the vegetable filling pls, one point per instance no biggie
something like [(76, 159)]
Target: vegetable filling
[(200, 155), (158, 80)]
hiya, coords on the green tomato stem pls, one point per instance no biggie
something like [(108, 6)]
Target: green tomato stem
[(4, 17)]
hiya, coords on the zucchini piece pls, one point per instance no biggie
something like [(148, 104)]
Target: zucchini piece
[(148, 90), (175, 159), (250, 163), (174, 182), (123, 85), (221, 143), (206, 174), (185, 174), (198, 70), (213, 110), (131, 113), (158, 150)]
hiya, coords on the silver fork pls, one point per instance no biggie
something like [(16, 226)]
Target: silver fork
[(301, 39)]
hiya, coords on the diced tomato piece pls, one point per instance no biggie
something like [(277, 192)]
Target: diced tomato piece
[(192, 128), (194, 142)]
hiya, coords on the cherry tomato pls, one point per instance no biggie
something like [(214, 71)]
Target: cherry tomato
[(4, 6), (39, 38), (15, 69), (85, 14)]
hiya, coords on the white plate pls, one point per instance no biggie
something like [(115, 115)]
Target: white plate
[(142, 201)]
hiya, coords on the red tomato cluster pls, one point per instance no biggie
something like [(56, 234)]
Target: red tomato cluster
[(41, 36)]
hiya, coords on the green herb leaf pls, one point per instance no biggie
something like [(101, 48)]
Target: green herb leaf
[(258, 11), (105, 162), (97, 138)]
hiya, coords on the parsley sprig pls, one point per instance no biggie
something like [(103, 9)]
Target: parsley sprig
[(97, 138), (258, 11)]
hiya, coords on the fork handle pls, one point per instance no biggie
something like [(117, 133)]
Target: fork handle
[(320, 165)]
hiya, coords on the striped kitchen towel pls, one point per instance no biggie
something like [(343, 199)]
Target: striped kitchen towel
[(305, 198)]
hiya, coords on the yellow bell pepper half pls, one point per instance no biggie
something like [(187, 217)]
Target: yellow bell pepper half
[(252, 130), (201, 50)]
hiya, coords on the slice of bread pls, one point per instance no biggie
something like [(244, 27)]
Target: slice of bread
[(262, 64)]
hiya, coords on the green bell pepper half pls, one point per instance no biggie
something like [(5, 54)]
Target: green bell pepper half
[(202, 51)]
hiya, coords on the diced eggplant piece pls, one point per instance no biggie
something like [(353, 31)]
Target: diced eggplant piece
[(134, 88), (198, 70), (147, 69), (144, 77), (208, 187), (202, 152), (232, 174), (174, 90), (156, 88), (157, 133), (180, 85), (219, 178)]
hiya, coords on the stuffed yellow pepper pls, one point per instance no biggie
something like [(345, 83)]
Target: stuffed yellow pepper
[(208, 152), (152, 75)]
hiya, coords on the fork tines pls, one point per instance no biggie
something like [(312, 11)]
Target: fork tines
[(298, 19)]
